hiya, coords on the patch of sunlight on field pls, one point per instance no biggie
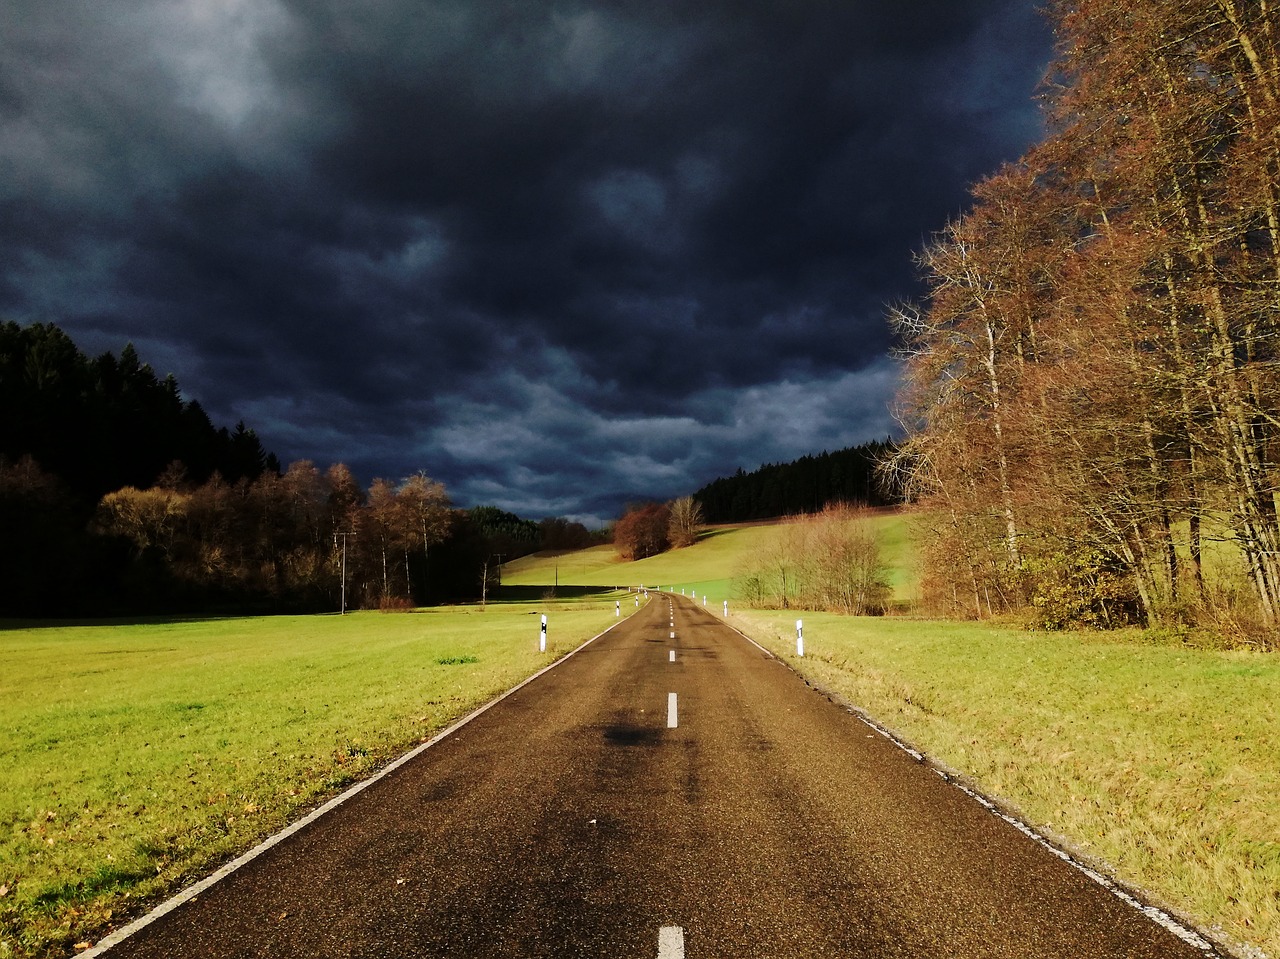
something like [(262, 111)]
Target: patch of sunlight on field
[(705, 568), (1161, 762), (596, 566), (135, 756)]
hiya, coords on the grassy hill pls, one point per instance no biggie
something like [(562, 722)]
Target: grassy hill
[(705, 568)]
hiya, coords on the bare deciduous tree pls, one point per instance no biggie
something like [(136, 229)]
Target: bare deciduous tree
[(830, 561), (1092, 379), (686, 521)]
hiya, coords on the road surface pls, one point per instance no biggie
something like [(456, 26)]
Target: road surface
[(673, 791)]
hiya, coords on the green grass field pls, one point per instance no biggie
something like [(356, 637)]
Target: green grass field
[(137, 756), (1159, 762)]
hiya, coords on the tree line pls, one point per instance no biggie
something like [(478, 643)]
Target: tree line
[(161, 512), (803, 486), (1091, 381), (647, 529), (305, 539), (102, 423)]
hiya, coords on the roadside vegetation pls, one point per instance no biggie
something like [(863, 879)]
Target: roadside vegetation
[(1157, 761), (1090, 401), (1089, 382), (828, 561), (137, 756)]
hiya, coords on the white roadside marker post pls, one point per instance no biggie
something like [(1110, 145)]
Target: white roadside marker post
[(799, 637), (542, 643), (617, 608), (726, 607), (704, 599)]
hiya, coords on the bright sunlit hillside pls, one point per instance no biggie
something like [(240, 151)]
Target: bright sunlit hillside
[(706, 568)]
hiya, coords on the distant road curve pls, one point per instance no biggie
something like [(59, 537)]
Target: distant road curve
[(670, 790)]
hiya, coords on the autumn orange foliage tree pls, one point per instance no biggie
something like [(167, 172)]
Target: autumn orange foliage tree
[(642, 531), (1091, 381), (284, 539)]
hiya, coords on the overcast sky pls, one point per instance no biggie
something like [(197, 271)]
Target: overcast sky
[(560, 254)]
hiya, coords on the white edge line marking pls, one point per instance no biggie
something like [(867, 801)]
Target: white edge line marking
[(767, 652), (671, 942), (671, 710), (169, 905), (1159, 916)]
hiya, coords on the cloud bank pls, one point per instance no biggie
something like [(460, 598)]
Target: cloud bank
[(559, 255)]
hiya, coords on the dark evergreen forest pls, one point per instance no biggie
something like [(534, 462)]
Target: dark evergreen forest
[(805, 486), (105, 423), (73, 429), (118, 497)]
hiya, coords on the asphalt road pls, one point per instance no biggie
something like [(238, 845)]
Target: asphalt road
[(629, 803)]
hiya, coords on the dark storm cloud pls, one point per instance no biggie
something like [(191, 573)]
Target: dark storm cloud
[(557, 254)]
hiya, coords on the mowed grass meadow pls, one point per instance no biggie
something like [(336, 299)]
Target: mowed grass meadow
[(137, 756)]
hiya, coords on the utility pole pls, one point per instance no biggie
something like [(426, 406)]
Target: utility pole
[(343, 609), (484, 576)]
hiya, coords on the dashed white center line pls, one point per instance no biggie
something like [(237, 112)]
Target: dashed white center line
[(671, 941), (673, 656), (671, 710)]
